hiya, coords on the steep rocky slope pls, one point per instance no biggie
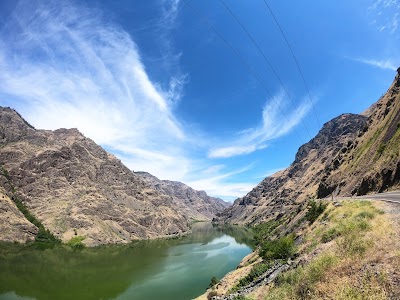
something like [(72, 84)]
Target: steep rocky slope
[(196, 204), (13, 225), (352, 154), (74, 187)]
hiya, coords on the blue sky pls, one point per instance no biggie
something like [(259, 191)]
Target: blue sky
[(193, 98)]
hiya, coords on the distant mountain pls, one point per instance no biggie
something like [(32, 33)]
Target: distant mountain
[(74, 187), (351, 155), (195, 204)]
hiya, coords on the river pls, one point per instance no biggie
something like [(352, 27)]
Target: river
[(161, 269)]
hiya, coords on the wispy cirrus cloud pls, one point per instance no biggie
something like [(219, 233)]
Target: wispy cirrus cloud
[(385, 14), (273, 125), (388, 64), (64, 66)]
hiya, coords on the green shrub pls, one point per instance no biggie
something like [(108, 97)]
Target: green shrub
[(255, 272), (381, 148), (76, 242), (314, 210), (281, 248), (43, 235), (330, 235)]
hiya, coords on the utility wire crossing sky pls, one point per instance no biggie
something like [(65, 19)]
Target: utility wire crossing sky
[(216, 94)]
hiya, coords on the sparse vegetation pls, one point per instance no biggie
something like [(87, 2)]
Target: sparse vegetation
[(211, 294), (255, 272), (352, 267), (44, 236), (315, 209), (241, 297)]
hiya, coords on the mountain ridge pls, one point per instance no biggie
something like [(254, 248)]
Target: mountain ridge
[(74, 187), (351, 155), (205, 207)]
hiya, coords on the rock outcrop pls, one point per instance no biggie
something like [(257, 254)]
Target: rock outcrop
[(351, 155), (196, 205), (74, 187)]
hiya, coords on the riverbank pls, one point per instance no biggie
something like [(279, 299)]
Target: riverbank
[(349, 252), (168, 269), (233, 277)]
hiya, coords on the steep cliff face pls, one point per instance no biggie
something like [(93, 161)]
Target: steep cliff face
[(374, 164), (74, 187), (196, 205), (352, 154)]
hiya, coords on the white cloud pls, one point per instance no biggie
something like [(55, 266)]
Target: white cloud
[(385, 14), (62, 67), (65, 66), (225, 152), (387, 64), (274, 124), (219, 184), (170, 9)]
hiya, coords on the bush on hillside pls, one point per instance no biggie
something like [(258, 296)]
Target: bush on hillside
[(281, 248), (314, 210)]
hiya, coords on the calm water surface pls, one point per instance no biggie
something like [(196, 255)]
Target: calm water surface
[(167, 269)]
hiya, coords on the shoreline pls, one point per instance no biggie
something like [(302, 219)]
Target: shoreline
[(231, 278)]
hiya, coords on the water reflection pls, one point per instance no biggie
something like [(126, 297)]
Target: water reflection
[(167, 269)]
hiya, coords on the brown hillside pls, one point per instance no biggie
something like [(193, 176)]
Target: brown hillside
[(74, 187), (352, 154)]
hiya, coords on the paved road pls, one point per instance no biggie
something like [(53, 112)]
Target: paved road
[(390, 197)]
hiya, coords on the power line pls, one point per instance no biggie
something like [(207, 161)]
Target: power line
[(295, 59), (265, 58), (250, 69)]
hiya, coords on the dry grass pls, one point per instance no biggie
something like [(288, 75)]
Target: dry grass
[(358, 257)]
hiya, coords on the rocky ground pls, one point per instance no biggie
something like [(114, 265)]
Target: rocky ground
[(14, 226)]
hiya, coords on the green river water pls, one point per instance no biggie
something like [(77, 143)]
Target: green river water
[(162, 269)]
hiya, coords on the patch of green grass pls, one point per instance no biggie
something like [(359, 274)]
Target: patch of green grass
[(299, 283)]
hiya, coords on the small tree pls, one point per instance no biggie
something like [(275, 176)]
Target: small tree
[(214, 281)]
